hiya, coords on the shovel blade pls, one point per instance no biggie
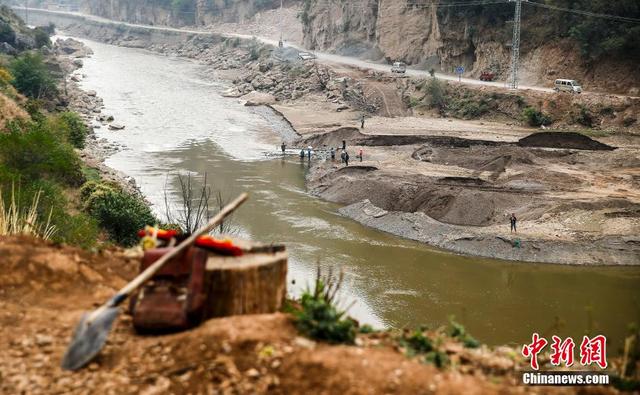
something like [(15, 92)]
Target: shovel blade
[(89, 338)]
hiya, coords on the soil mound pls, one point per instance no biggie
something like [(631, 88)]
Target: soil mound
[(357, 169), (434, 141), (333, 138), (44, 288), (36, 268), (567, 140)]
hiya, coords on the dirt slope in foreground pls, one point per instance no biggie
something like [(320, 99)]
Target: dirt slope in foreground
[(44, 289)]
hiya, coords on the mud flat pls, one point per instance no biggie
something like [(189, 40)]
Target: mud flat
[(575, 206)]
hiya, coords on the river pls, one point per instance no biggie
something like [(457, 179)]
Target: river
[(177, 122)]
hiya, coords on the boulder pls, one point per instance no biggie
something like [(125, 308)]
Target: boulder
[(7, 49), (116, 126), (73, 47), (258, 99)]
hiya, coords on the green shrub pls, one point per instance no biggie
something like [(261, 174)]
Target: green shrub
[(80, 229), (534, 117), (254, 53), (459, 332), (31, 76), (319, 318), (120, 214), (414, 102), (34, 151), (41, 37), (366, 328), (607, 111), (469, 108), (584, 117), (417, 343), (71, 126), (437, 94)]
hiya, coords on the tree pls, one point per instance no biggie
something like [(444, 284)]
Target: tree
[(31, 76)]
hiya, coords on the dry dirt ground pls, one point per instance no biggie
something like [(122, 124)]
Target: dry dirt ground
[(45, 288)]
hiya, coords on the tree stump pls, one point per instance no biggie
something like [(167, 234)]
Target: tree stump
[(254, 283)]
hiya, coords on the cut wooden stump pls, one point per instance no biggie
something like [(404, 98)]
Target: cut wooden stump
[(255, 283)]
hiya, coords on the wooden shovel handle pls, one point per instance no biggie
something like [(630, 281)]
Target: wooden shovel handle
[(157, 265)]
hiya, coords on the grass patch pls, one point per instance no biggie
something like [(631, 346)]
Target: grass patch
[(34, 150), (91, 174), (595, 133), (319, 318), (18, 220)]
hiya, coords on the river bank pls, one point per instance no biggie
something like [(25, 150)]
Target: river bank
[(572, 208), (70, 55)]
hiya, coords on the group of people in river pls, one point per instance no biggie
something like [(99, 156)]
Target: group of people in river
[(344, 154)]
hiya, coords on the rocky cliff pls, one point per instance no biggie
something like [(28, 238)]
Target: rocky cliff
[(478, 38), (426, 35), (179, 13)]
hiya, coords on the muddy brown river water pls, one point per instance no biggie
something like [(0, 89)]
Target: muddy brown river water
[(177, 122)]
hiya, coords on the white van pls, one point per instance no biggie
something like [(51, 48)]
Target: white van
[(399, 67), (567, 86), (306, 56)]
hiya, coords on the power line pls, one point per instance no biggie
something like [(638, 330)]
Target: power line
[(585, 13)]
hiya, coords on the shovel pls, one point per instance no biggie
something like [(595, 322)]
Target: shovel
[(92, 330)]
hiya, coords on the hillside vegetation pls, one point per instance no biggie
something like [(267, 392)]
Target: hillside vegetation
[(40, 166)]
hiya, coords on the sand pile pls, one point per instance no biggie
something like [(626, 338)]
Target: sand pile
[(564, 140)]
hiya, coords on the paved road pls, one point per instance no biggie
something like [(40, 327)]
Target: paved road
[(322, 56)]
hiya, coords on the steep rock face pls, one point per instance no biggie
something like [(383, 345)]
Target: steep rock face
[(200, 12), (400, 31), (349, 27), (478, 38), (140, 11), (411, 31), (412, 35)]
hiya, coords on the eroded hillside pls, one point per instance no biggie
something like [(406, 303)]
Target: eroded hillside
[(602, 54)]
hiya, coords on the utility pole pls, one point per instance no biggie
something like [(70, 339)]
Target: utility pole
[(280, 43), (26, 12), (515, 45)]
